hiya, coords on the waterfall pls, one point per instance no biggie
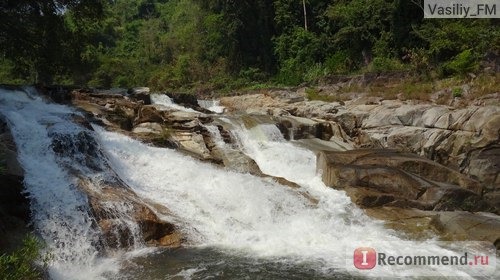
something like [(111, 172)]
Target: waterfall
[(57, 155), (165, 101), (212, 105), (258, 217), (232, 214)]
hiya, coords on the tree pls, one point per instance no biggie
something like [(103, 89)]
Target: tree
[(34, 35)]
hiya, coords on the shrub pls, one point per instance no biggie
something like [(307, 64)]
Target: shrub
[(384, 64), (457, 92), (339, 63), (465, 62), (289, 73)]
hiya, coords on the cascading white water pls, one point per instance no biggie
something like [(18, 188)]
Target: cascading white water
[(60, 212), (212, 105), (233, 212), (284, 159), (240, 213), (165, 101)]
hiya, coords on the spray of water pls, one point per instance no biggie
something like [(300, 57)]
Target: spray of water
[(166, 102), (212, 105), (60, 211)]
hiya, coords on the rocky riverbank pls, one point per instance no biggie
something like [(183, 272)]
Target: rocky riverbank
[(404, 154), (424, 168)]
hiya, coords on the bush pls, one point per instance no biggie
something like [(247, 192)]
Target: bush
[(457, 92), (289, 73), (20, 264), (384, 64), (339, 63), (465, 62)]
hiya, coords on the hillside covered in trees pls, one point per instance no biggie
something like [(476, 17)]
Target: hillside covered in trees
[(217, 44)]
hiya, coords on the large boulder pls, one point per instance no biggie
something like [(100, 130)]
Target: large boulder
[(449, 226), (376, 177), (468, 226), (136, 223)]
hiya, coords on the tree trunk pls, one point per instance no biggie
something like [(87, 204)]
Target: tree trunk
[(305, 14)]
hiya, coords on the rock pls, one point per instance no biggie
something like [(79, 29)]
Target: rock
[(78, 146), (57, 93), (8, 152), (14, 203), (383, 177), (460, 225), (14, 212), (414, 223), (119, 230), (485, 164), (148, 114), (148, 128), (140, 94), (451, 226), (192, 143), (493, 198), (182, 117), (317, 145), (185, 99)]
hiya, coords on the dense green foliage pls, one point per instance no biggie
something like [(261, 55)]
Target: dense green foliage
[(207, 44)]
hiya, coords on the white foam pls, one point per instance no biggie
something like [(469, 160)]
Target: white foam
[(165, 101), (212, 105), (60, 211), (243, 213)]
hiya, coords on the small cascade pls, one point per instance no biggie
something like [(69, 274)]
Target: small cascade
[(216, 136), (266, 132), (165, 101), (212, 105)]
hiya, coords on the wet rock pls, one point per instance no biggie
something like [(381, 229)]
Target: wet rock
[(137, 222), (184, 99), (14, 212), (57, 93), (414, 223), (8, 152), (79, 146)]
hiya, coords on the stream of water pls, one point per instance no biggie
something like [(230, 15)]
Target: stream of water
[(238, 226)]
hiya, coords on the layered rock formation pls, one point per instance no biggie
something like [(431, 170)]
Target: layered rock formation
[(405, 161), (464, 139)]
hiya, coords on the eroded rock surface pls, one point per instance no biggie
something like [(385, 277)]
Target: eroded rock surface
[(465, 139), (384, 177)]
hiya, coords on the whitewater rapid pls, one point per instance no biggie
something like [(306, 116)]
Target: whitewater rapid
[(59, 210), (237, 214), (244, 214)]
